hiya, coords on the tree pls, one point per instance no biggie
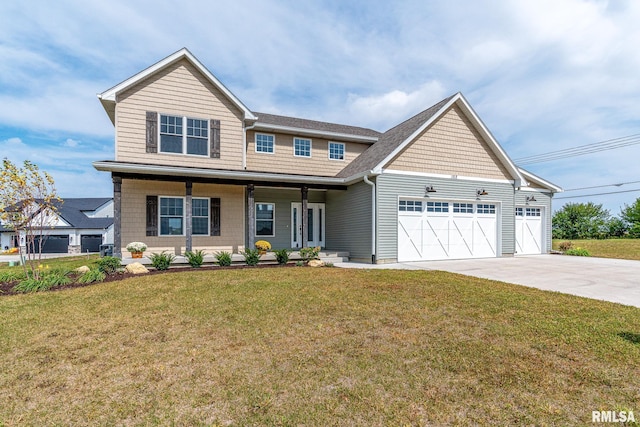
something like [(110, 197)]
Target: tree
[(28, 205), (580, 221), (631, 215)]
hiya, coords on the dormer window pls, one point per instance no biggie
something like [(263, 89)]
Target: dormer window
[(184, 135)]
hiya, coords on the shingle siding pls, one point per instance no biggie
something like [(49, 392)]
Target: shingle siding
[(349, 221)]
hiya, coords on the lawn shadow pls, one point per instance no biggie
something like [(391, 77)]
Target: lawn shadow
[(630, 336)]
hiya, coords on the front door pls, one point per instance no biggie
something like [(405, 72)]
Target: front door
[(315, 225)]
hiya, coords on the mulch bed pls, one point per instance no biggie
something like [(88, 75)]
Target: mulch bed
[(7, 287)]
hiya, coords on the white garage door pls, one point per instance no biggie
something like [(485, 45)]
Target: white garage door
[(433, 230), (529, 230)]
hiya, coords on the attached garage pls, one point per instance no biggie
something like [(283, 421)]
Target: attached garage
[(90, 243), (56, 243), (435, 230), (529, 230)]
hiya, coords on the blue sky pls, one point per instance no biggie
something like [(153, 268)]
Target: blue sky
[(542, 74)]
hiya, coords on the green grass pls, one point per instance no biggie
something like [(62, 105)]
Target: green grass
[(70, 262), (607, 248), (302, 346)]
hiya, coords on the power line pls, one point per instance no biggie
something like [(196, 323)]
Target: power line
[(601, 186), (581, 150), (595, 194)]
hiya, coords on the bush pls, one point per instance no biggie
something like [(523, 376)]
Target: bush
[(47, 281), (223, 258), (577, 252), (263, 245), (162, 261), (307, 254), (11, 276), (92, 276), (565, 246), (195, 259), (282, 256), (109, 264), (251, 256)]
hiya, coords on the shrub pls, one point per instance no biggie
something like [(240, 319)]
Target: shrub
[(251, 256), (47, 281), (93, 275), (565, 246), (577, 252), (109, 264), (299, 264), (162, 261), (282, 256), (307, 254), (223, 258), (263, 245), (11, 276), (195, 259)]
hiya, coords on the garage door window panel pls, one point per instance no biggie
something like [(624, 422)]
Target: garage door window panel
[(410, 206)]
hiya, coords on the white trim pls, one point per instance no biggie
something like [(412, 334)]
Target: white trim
[(255, 219), (344, 151), (110, 95), (535, 178), (184, 228), (293, 144), (536, 190), (255, 143), (318, 133), (464, 105), (208, 199), (443, 176)]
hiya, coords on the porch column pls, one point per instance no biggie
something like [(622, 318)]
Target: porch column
[(188, 228), (304, 216), (117, 217), (251, 216)]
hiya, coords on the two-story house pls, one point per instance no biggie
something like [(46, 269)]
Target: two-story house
[(195, 168)]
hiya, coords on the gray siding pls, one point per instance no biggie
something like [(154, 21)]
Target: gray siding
[(349, 221), (542, 200), (392, 186), (282, 198)]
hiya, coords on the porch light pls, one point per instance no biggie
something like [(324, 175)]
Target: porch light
[(481, 192), (429, 189), (530, 199)]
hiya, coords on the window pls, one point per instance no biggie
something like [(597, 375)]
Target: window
[(200, 217), (437, 207), (173, 139), (336, 151), (519, 212), (533, 211), (486, 209), (301, 147), (265, 218), (264, 143), (463, 208), (410, 206), (171, 216)]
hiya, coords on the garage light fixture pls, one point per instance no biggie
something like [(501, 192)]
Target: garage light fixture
[(481, 193), (429, 189), (530, 199)]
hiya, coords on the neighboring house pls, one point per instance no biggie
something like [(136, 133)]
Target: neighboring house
[(195, 168), (81, 225)]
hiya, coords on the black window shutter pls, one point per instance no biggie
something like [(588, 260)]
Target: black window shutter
[(214, 126), (215, 216), (152, 132), (152, 215)]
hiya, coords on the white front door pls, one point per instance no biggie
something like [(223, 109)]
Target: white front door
[(315, 225), (529, 236)]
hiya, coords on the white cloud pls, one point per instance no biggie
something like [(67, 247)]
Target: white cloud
[(71, 143)]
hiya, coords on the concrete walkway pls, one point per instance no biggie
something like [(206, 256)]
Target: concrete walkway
[(605, 279)]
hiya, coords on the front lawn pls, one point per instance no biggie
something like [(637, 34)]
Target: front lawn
[(607, 248), (303, 346)]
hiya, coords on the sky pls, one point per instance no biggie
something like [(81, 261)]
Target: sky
[(543, 75)]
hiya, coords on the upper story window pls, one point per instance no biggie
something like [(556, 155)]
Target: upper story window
[(174, 139), (301, 147), (265, 143), (336, 151)]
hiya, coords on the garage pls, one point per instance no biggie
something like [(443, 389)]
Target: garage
[(52, 244), (90, 243), (529, 228), (435, 230)]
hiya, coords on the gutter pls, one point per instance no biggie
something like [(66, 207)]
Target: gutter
[(373, 217)]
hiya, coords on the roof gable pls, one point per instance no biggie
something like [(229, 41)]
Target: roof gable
[(108, 98)]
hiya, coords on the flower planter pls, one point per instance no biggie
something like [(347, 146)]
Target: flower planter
[(136, 254)]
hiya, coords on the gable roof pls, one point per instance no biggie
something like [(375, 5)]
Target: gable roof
[(535, 179), (72, 211), (272, 122), (396, 139), (108, 97)]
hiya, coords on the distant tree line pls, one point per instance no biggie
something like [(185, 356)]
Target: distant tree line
[(592, 221)]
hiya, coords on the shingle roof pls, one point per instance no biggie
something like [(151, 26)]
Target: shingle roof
[(71, 211), (292, 122), (389, 141)]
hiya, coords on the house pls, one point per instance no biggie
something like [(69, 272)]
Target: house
[(195, 168), (80, 226)]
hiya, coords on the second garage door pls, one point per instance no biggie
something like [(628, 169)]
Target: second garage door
[(435, 230), (529, 222)]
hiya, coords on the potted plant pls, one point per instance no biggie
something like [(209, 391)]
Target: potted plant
[(263, 246), (136, 249)]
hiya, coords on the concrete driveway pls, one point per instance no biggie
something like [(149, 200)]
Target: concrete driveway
[(605, 279)]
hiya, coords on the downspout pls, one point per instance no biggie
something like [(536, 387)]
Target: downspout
[(373, 218), (244, 145)]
